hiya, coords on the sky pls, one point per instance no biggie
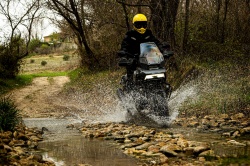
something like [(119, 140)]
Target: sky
[(42, 28)]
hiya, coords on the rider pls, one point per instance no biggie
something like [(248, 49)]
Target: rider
[(133, 39)]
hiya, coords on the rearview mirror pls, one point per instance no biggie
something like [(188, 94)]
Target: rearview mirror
[(168, 54), (123, 62)]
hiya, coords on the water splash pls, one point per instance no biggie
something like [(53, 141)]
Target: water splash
[(103, 105), (182, 94)]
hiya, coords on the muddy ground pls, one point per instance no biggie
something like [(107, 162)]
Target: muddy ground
[(40, 99)]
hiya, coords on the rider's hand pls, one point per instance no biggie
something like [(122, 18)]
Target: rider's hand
[(121, 53)]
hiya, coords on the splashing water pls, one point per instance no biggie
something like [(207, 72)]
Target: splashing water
[(104, 106), (182, 94), (178, 97)]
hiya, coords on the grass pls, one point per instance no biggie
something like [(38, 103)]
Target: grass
[(222, 86), (25, 79), (31, 68), (55, 63), (86, 80), (241, 160)]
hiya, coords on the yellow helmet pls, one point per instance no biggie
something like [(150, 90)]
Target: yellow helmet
[(140, 23)]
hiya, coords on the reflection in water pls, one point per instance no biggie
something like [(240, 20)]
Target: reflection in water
[(83, 151), (68, 147)]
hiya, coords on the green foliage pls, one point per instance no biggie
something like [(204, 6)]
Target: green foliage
[(34, 44), (10, 57), (43, 63), (44, 48), (7, 85), (241, 160), (74, 74), (66, 57), (222, 88), (9, 114), (32, 61), (84, 78)]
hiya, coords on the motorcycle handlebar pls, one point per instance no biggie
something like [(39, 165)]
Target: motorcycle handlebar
[(123, 53)]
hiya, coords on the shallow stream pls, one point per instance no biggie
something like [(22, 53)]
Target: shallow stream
[(67, 146)]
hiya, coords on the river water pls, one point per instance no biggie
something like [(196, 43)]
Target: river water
[(65, 146), (68, 147)]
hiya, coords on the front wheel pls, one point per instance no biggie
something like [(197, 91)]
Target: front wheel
[(160, 104), (120, 94)]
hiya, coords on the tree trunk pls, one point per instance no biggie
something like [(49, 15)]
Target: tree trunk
[(163, 18), (222, 39), (217, 20), (186, 27), (76, 21)]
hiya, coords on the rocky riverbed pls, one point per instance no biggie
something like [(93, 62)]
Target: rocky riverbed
[(159, 146), (174, 145), (149, 145), (18, 148)]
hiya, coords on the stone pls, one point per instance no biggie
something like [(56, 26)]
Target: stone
[(35, 138), (238, 116), (205, 121), (245, 124), (199, 149), (182, 143), (207, 153), (189, 151), (233, 142), (129, 151), (209, 117), (245, 130), (236, 134), (213, 123), (130, 145), (193, 124), (171, 149), (22, 137), (227, 134), (38, 157), (163, 159), (143, 146), (19, 150), (202, 159), (7, 148), (154, 149)]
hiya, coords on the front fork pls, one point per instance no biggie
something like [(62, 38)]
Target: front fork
[(168, 90)]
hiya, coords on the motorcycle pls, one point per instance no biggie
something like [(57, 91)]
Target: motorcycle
[(147, 88)]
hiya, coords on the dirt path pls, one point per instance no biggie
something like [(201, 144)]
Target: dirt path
[(36, 100)]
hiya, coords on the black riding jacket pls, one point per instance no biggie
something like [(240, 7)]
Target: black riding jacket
[(133, 39)]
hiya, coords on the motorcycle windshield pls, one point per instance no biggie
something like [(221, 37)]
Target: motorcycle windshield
[(150, 54)]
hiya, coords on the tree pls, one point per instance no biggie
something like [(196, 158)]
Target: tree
[(163, 16), (75, 13), (185, 35), (18, 27)]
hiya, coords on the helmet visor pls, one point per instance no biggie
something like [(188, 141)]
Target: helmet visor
[(140, 24)]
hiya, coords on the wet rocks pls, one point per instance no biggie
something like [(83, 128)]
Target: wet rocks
[(147, 144), (16, 147), (235, 125)]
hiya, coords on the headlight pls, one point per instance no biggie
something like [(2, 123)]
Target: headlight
[(154, 76)]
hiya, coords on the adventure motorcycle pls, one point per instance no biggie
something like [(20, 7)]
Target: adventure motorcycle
[(147, 88)]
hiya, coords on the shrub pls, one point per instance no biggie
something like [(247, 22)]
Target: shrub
[(10, 57), (34, 43), (44, 49), (43, 63), (9, 114), (66, 57), (32, 61)]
